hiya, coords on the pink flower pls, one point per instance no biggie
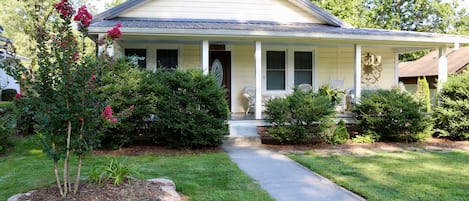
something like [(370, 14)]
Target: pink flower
[(75, 56), (107, 113), (115, 32), (100, 41), (82, 119), (114, 120), (64, 8), (93, 77), (84, 17), (18, 96)]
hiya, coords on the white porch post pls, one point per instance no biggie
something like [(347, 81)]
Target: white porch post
[(205, 55), (358, 71), (258, 60), (396, 69), (442, 67)]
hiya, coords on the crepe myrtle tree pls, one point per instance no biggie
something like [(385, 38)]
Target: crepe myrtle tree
[(62, 91)]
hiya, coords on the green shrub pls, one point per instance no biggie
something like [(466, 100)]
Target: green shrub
[(191, 109), (392, 114), (452, 113), (367, 137), (423, 94), (175, 108), (9, 94), (124, 90), (299, 117), (338, 135), (7, 124), (333, 95)]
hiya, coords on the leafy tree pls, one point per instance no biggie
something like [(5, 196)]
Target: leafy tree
[(436, 16), (113, 3), (62, 91)]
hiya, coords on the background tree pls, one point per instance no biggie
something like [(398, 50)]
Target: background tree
[(436, 16), (113, 3)]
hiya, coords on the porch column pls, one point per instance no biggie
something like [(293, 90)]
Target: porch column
[(442, 67), (358, 71), (205, 55), (396, 69), (258, 60)]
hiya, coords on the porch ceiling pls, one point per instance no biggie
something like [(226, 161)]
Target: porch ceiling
[(309, 33)]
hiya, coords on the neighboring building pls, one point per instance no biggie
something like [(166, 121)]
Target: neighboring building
[(271, 45), (428, 66), (6, 54)]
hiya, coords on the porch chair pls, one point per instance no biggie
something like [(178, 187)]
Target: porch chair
[(250, 94), (306, 88)]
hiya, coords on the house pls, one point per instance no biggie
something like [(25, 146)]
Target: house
[(271, 45), (428, 66)]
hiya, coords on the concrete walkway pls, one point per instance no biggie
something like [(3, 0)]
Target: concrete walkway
[(282, 178)]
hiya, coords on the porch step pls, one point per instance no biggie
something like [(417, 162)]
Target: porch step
[(245, 140), (243, 132)]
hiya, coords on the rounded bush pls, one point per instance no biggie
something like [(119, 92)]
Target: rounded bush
[(393, 115), (452, 113), (182, 109), (299, 117)]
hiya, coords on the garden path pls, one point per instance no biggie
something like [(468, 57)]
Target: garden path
[(281, 177)]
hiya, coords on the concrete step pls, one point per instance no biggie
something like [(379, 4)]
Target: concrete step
[(244, 140)]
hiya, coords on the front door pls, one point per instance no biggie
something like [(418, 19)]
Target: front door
[(220, 66)]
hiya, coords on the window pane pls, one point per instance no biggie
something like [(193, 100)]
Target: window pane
[(303, 68), (276, 80), (275, 70), (303, 60), (275, 60), (303, 77), (166, 59), (138, 56)]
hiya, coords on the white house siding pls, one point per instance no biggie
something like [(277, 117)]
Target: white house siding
[(242, 75), (261, 10), (336, 63)]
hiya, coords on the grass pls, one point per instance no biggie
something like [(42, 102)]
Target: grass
[(200, 176), (397, 176)]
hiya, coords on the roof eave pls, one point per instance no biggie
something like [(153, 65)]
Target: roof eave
[(314, 10), (444, 41), (119, 9)]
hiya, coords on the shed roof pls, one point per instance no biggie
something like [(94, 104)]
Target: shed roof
[(428, 65)]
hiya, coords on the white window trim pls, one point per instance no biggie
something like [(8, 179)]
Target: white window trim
[(264, 71), (290, 68)]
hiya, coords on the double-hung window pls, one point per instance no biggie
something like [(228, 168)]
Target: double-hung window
[(275, 70), (303, 68), (167, 59)]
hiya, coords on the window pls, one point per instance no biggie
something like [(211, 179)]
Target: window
[(166, 59), (137, 56), (303, 68), (275, 70)]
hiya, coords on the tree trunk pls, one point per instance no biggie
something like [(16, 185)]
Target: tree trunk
[(80, 161), (57, 178), (67, 186)]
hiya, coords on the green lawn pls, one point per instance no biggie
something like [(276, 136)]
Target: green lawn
[(397, 176), (199, 176)]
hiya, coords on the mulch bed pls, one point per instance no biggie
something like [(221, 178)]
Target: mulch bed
[(136, 190)]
